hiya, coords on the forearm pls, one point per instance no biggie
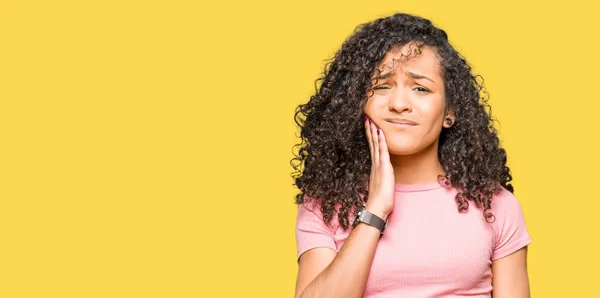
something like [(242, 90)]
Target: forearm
[(347, 273)]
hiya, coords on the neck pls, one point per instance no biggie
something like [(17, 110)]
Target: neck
[(420, 168)]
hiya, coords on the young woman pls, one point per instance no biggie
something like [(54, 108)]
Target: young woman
[(404, 188)]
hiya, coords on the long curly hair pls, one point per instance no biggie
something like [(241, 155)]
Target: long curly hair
[(333, 160)]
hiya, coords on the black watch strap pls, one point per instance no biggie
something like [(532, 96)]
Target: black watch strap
[(371, 219)]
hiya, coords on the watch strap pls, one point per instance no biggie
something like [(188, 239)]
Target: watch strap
[(371, 219)]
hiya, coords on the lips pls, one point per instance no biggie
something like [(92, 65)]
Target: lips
[(401, 121)]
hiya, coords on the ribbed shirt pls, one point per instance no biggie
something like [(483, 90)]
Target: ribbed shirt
[(428, 249)]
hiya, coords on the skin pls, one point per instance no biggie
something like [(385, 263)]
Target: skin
[(399, 154)]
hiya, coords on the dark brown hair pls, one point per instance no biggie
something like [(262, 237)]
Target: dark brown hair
[(333, 159)]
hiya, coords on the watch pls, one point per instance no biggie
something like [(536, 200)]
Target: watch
[(371, 219)]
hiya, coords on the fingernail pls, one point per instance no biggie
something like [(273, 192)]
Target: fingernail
[(378, 131), (366, 117)]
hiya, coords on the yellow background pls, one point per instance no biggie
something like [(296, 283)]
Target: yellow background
[(145, 145)]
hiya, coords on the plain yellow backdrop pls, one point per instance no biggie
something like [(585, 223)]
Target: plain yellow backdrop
[(145, 145)]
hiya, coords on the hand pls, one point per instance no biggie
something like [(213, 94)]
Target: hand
[(381, 183)]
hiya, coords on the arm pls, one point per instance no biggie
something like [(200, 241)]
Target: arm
[(509, 276), (323, 273)]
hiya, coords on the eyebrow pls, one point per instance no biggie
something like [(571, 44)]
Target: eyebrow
[(383, 76), (411, 74), (418, 76)]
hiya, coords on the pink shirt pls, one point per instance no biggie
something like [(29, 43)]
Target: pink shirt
[(428, 249)]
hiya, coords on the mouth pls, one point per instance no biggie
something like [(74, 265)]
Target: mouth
[(401, 122)]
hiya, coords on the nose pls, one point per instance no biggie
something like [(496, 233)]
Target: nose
[(400, 100)]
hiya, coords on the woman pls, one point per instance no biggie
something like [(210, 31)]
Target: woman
[(398, 134)]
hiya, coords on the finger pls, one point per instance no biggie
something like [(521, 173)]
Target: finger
[(369, 137), (384, 154), (374, 129)]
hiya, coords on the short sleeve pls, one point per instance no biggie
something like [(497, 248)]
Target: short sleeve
[(509, 226), (311, 230)]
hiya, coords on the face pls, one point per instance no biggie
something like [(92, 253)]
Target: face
[(407, 101)]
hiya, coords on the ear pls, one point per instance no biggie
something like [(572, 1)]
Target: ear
[(449, 120)]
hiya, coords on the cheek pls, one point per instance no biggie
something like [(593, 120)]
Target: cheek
[(430, 112), (375, 104), (431, 115)]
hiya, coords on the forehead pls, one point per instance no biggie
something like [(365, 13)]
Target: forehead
[(409, 57)]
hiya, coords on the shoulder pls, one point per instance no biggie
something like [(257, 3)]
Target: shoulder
[(310, 211), (312, 230), (510, 229), (504, 201)]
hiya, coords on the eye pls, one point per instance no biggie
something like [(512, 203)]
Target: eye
[(380, 87), (421, 89)]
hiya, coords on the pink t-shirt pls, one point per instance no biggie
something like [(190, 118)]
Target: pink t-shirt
[(428, 249)]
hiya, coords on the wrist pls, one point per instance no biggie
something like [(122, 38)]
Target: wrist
[(377, 211)]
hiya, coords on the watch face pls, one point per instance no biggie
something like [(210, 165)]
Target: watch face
[(357, 218)]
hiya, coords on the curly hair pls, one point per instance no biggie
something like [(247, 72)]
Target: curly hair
[(333, 160)]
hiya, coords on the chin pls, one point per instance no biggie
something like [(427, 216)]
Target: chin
[(402, 148)]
